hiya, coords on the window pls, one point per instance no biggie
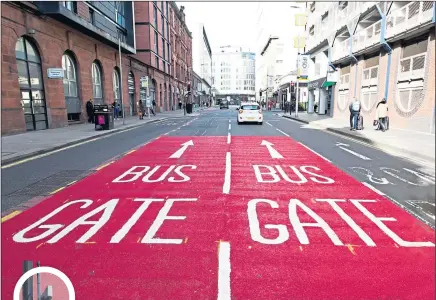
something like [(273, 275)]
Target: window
[(162, 6), (168, 30), (167, 9), (119, 13), (116, 85), (70, 79), (97, 90), (157, 62), (163, 25), (168, 53), (70, 5), (31, 86), (155, 16), (91, 16), (156, 46), (163, 50)]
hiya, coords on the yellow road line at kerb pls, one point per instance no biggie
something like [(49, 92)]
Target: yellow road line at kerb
[(131, 151), (55, 191), (11, 215), (103, 166)]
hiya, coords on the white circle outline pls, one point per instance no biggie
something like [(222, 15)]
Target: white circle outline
[(50, 270)]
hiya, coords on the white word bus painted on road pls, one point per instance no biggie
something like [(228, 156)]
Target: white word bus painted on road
[(298, 226), (297, 175), (173, 173), (58, 231)]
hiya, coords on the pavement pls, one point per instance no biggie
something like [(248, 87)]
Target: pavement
[(203, 208), (21, 146), (411, 144)]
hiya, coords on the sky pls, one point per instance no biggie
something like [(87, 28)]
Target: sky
[(226, 23)]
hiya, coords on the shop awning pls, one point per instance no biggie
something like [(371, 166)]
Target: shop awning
[(328, 83)]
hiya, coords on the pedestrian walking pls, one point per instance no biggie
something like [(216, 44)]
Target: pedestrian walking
[(354, 114), (90, 111), (382, 114), (141, 110), (153, 105), (116, 108)]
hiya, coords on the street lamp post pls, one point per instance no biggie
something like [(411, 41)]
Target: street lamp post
[(121, 79)]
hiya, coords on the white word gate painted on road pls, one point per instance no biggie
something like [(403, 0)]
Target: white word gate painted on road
[(273, 174), (283, 233), (58, 231), (172, 173)]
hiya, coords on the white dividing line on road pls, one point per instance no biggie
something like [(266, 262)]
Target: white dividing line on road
[(224, 269), (341, 145), (282, 132), (230, 126), (226, 185), (314, 152), (373, 188), (268, 123)]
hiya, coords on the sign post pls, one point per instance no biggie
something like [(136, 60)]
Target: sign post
[(300, 42), (144, 84)]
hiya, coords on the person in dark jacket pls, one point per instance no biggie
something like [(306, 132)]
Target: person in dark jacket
[(141, 110), (90, 111)]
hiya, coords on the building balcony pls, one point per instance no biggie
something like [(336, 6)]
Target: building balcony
[(412, 67), (367, 37), (341, 49), (408, 17)]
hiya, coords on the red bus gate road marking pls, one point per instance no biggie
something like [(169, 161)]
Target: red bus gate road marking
[(283, 238), (150, 244), (278, 253)]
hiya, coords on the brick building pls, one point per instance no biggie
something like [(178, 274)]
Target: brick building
[(380, 49), (82, 39), (164, 46)]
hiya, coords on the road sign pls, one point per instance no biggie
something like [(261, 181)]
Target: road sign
[(300, 19), (55, 73), (303, 67), (299, 42)]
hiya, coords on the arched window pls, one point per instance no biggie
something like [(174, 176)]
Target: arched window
[(31, 85), (70, 76), (116, 85), (97, 90)]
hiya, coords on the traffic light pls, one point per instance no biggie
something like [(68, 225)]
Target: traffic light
[(292, 87), (260, 93), (189, 87)]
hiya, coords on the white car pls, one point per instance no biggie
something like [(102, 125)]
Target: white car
[(250, 113)]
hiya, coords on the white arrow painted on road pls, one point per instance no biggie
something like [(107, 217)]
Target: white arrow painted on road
[(180, 152), (273, 152), (340, 145)]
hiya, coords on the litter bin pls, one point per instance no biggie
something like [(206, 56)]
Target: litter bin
[(103, 117), (189, 108)]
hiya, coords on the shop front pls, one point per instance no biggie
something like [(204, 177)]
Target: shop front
[(318, 97)]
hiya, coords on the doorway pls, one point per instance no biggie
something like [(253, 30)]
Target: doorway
[(31, 85), (132, 92)]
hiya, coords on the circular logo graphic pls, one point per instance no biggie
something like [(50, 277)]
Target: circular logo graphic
[(50, 270)]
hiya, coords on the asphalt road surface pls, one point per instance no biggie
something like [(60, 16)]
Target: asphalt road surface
[(203, 208)]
